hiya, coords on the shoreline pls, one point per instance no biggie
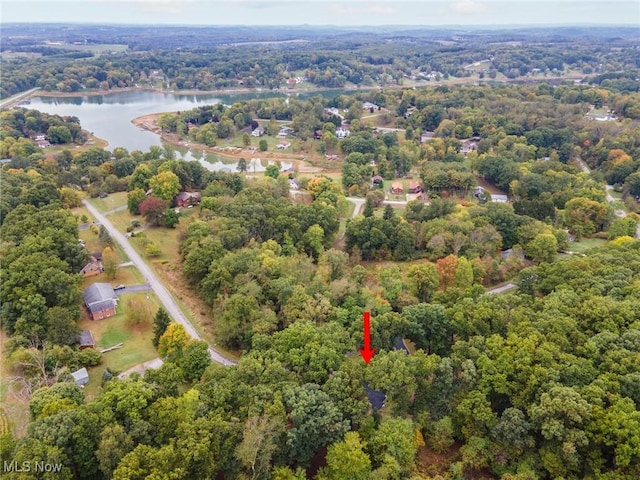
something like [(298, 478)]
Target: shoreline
[(147, 122), (285, 90)]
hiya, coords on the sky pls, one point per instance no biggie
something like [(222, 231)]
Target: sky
[(325, 12)]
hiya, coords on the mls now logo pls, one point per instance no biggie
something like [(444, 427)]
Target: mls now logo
[(37, 467)]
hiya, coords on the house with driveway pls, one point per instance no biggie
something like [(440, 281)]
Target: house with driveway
[(101, 300)]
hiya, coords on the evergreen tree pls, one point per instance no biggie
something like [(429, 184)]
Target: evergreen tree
[(368, 208), (160, 323), (388, 212)]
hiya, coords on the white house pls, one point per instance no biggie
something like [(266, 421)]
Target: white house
[(342, 132)]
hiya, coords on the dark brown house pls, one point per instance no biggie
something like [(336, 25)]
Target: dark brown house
[(186, 199), (86, 340), (415, 187)]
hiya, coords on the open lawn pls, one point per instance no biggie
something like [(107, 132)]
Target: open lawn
[(167, 239), (136, 338), (398, 209), (113, 200), (14, 411), (585, 244), (124, 275), (97, 49)]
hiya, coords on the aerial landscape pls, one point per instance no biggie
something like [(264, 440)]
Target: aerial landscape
[(278, 240)]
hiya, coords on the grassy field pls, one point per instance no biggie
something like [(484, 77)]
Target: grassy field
[(97, 49), (398, 209), (136, 338), (14, 413), (124, 275), (113, 200), (585, 244)]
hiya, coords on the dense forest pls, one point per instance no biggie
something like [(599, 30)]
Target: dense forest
[(233, 58), (541, 381)]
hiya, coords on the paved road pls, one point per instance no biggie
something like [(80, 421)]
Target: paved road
[(502, 288), (358, 202), (154, 364), (156, 285), (9, 102), (618, 212)]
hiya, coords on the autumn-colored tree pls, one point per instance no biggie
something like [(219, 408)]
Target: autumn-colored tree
[(173, 341), (152, 209), (447, 269)]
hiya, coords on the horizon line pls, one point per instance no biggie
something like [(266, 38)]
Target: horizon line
[(392, 25)]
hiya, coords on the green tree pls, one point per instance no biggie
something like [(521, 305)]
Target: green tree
[(242, 165), (393, 447), (584, 216), (272, 170), (195, 359), (165, 185), (346, 460), (152, 250), (170, 218), (423, 280), (140, 178), (313, 241), (429, 327), (263, 145), (316, 422), (62, 325), (59, 134), (104, 237), (110, 262), (441, 437), (51, 400), (235, 326), (134, 198), (113, 445), (246, 139), (543, 248), (622, 227), (464, 274)]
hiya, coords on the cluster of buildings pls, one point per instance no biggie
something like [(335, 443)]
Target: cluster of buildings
[(41, 141)]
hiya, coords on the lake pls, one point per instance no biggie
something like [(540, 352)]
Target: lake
[(109, 117)]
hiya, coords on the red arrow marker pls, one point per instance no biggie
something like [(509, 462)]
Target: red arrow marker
[(367, 352)]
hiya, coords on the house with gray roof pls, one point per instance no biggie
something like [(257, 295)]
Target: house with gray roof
[(81, 377), (101, 300), (86, 340)]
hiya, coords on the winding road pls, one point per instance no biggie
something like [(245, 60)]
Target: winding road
[(608, 188), (154, 282)]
